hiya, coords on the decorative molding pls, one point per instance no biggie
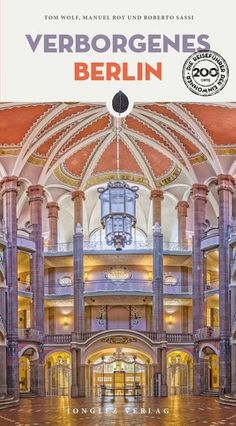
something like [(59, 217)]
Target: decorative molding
[(118, 340), (166, 180), (58, 173), (197, 159), (131, 177)]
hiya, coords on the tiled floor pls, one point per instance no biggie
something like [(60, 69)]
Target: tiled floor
[(176, 411)]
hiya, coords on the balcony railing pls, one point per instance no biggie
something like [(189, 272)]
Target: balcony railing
[(29, 334), (212, 285), (59, 290), (207, 333), (131, 285), (25, 287), (177, 289), (107, 286), (60, 339), (58, 248), (179, 338), (102, 246), (154, 336), (83, 337)]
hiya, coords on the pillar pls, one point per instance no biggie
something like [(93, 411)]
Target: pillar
[(199, 194), (164, 391), (9, 186), (157, 300), (182, 213), (37, 374), (226, 184), (233, 347), (74, 384), (3, 307), (79, 308), (51, 280), (78, 374), (35, 194), (3, 375), (53, 210), (233, 355), (78, 198), (156, 197)]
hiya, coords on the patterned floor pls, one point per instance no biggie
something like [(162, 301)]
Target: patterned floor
[(176, 411)]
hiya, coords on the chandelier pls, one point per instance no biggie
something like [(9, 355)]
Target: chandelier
[(118, 205), (118, 211)]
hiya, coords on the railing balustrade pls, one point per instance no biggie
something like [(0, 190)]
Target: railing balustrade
[(58, 338), (207, 333), (212, 285), (102, 246), (29, 334), (179, 338), (95, 286)]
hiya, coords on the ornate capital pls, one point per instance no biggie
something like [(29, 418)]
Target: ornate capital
[(9, 184), (182, 208), (35, 193), (225, 183), (156, 193), (77, 194), (199, 191), (53, 209)]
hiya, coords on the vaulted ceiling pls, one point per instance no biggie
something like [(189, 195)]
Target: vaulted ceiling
[(75, 145)]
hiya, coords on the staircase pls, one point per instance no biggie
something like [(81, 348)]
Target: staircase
[(8, 401), (214, 393), (228, 399), (27, 395)]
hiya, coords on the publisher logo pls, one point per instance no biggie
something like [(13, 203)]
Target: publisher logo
[(205, 73)]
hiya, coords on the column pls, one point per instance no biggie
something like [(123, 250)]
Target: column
[(199, 194), (35, 194), (79, 309), (51, 280), (156, 197), (9, 187), (51, 320), (3, 375), (226, 184), (78, 198), (182, 213), (78, 373), (157, 300), (74, 384), (53, 210), (164, 391), (233, 346), (37, 374)]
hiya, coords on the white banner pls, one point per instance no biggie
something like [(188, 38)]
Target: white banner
[(88, 51)]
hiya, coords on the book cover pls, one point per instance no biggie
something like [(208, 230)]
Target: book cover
[(117, 207)]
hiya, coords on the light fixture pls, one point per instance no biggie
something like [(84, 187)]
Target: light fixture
[(118, 208), (65, 320), (170, 319)]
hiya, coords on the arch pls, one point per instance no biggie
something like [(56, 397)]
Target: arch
[(58, 373), (179, 371), (208, 345), (179, 349), (119, 338), (2, 338), (54, 351), (34, 356)]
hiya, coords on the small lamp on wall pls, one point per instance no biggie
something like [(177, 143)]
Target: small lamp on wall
[(65, 320), (170, 319)]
